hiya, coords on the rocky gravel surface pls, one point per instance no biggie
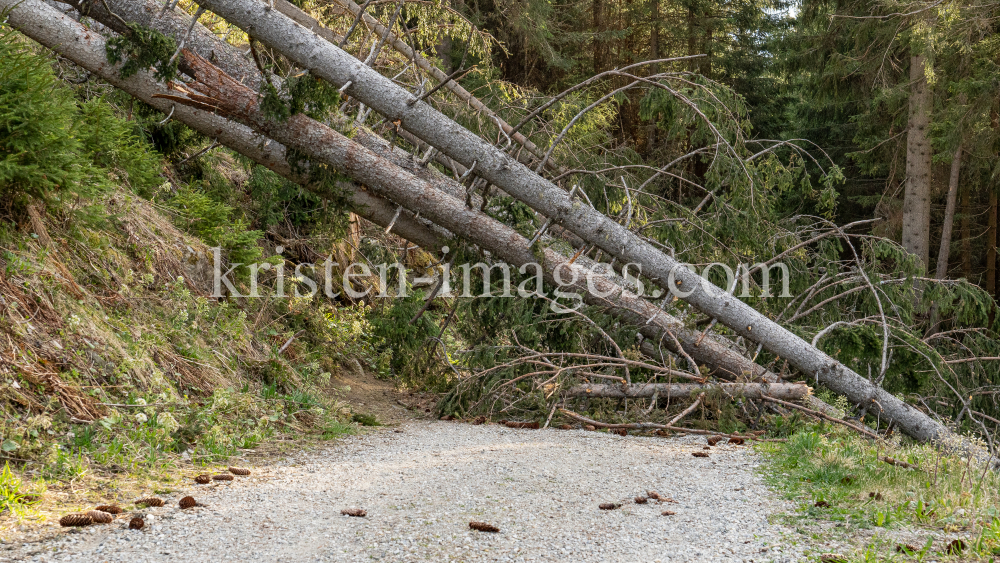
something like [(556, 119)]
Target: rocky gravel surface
[(422, 484)]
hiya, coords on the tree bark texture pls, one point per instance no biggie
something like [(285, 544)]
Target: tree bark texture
[(949, 215), (917, 192), (422, 63), (783, 391), (378, 92), (991, 245)]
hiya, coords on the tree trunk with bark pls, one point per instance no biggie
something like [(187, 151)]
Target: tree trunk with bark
[(917, 193), (949, 215), (783, 391), (991, 246), (966, 229)]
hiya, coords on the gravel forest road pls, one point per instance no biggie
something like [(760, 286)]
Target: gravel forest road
[(423, 483)]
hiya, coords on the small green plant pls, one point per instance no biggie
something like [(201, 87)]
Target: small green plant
[(12, 496), (365, 419)]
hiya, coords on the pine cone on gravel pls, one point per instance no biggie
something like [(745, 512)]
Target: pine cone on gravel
[(76, 520), (524, 425), (668, 513), (619, 431), (203, 479), (222, 477), (641, 500), (100, 517), (653, 495), (609, 506), (736, 441), (149, 501), (136, 523), (565, 427), (483, 527), (241, 471), (356, 512), (188, 502), (713, 440), (699, 454), (110, 508)]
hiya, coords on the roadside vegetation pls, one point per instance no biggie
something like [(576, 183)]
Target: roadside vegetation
[(887, 500)]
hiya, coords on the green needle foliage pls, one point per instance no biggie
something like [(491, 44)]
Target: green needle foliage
[(143, 48), (41, 152)]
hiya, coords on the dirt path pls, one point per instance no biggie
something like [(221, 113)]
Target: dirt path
[(423, 483)]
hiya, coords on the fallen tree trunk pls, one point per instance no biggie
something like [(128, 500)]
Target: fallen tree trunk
[(785, 391), (423, 64), (327, 61), (70, 39), (710, 351)]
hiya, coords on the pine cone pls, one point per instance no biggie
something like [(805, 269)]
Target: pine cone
[(654, 495), (714, 440), (609, 506), (31, 498), (100, 517), (242, 472), (524, 425), (699, 454), (203, 479), (641, 500), (76, 520), (149, 501), (110, 508), (188, 502), (706, 447), (136, 523), (589, 427), (222, 477), (483, 527), (619, 431), (736, 441), (565, 427), (668, 513), (356, 512)]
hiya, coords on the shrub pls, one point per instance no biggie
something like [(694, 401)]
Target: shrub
[(41, 156)]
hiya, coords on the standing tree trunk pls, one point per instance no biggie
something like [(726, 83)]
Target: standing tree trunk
[(917, 195), (597, 9), (966, 224), (949, 215), (991, 246)]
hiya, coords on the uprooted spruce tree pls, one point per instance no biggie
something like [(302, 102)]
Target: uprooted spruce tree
[(711, 271)]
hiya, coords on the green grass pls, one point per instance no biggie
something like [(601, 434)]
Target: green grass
[(336, 429), (365, 419), (836, 476), (13, 496)]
